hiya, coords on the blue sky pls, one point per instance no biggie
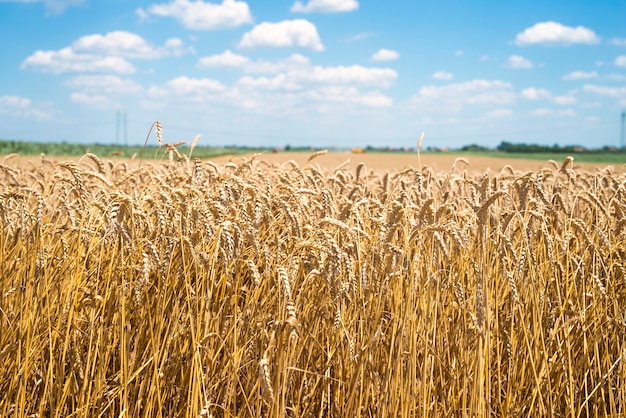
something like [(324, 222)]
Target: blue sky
[(314, 72)]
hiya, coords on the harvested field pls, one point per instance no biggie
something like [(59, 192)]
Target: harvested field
[(278, 286)]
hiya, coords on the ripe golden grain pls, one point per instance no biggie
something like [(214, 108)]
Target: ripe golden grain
[(177, 288)]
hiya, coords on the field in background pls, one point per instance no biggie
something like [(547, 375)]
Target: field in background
[(278, 286), (439, 162)]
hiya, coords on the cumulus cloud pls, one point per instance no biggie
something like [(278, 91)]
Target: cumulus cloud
[(616, 77), (291, 63), (620, 61), (454, 97), (186, 85), (361, 36), (340, 75), (385, 55), (443, 75), (499, 113), (533, 93), (96, 101), (102, 53), (357, 74), (67, 61), (567, 113), (564, 100), (201, 15), (554, 33), (542, 111), (519, 62), (53, 7), (580, 75), (109, 84), (350, 95), (325, 6), (127, 44), (278, 82), (225, 59), (21, 107), (288, 33), (616, 92), (14, 102), (285, 86), (618, 41)]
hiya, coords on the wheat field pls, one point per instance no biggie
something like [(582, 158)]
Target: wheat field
[(187, 288)]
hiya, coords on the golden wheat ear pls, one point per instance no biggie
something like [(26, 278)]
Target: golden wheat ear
[(419, 148), (156, 125)]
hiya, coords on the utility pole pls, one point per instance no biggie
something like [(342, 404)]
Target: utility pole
[(125, 130), (622, 138), (121, 126), (117, 127)]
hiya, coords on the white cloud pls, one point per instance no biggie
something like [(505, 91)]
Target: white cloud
[(385, 55), (185, 89), (616, 92), (354, 74), (616, 77), (288, 33), (564, 100), (454, 97), (94, 101), (21, 107), (270, 96), (580, 75), (618, 41), (293, 62), (225, 59), (103, 84), (325, 6), (533, 93), (102, 53), (458, 52), (350, 95), (541, 112), (519, 62), (126, 44), (340, 75), (620, 61), (443, 75), (278, 82), (547, 112), (499, 113), (67, 61), (200, 15), (53, 7), (554, 33), (14, 102), (185, 85), (567, 113), (359, 37)]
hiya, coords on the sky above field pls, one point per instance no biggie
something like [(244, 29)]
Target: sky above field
[(314, 72)]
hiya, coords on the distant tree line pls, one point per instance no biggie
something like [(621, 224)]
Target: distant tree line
[(535, 148)]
